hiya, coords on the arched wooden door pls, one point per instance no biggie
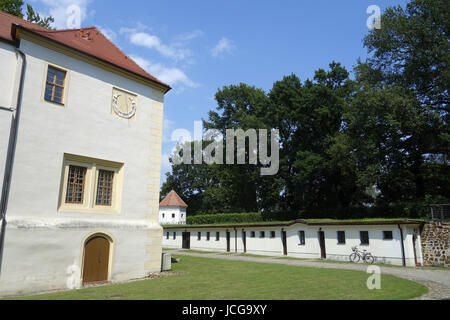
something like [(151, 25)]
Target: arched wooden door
[(96, 260)]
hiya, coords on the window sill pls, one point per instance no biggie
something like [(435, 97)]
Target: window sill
[(61, 104)]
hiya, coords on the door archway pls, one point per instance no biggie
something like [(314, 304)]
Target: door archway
[(96, 259)]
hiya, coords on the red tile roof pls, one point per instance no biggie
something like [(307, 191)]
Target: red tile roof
[(172, 200), (86, 40)]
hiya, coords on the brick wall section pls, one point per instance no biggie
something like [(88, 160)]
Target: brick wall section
[(435, 244)]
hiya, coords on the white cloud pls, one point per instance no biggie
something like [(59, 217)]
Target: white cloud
[(166, 166), (177, 50), (224, 46), (171, 76), (186, 38), (109, 33), (167, 126), (151, 41), (68, 13)]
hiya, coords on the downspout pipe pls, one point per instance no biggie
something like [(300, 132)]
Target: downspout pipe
[(9, 163), (403, 245)]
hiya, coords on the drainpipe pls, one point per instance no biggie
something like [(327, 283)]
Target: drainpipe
[(403, 246), (10, 155), (6, 109)]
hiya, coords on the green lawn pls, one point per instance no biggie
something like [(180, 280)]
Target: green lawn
[(215, 279)]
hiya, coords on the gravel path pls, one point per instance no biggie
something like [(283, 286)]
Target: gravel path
[(437, 281)]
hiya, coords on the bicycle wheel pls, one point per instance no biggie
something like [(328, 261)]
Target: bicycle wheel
[(369, 258), (354, 257)]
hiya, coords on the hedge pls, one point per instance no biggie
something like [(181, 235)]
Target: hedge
[(411, 210), (224, 218)]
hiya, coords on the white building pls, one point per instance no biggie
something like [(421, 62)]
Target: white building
[(391, 242), (80, 151), (172, 209)]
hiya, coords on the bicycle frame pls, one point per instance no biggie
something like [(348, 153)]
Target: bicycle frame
[(361, 254)]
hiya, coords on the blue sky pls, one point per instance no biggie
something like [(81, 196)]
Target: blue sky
[(200, 46)]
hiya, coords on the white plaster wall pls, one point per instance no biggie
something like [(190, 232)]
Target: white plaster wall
[(180, 215), (8, 66), (195, 244), (385, 251), (5, 125), (57, 266), (311, 248), (266, 245), (170, 242), (86, 127)]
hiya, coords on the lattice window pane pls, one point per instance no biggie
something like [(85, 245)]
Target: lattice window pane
[(75, 185), (54, 88), (104, 188)]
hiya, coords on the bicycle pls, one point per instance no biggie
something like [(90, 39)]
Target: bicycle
[(364, 255)]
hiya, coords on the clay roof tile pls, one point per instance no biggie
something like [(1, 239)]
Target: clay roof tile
[(172, 200), (87, 40)]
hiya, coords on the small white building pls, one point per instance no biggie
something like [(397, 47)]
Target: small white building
[(395, 242), (80, 154), (172, 209)]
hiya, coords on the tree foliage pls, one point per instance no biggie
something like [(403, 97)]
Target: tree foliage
[(14, 7)]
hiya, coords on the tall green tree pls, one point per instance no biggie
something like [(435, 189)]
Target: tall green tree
[(379, 140), (315, 165), (15, 7), (412, 49), (405, 85)]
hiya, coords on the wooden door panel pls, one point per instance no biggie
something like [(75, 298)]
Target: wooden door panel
[(284, 240), (323, 252), (96, 260), (186, 243)]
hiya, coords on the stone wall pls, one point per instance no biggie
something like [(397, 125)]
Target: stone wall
[(435, 244)]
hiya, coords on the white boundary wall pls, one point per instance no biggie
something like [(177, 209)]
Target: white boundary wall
[(385, 251)]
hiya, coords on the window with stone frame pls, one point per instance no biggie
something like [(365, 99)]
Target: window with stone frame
[(54, 86), (90, 185), (104, 188), (76, 184)]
